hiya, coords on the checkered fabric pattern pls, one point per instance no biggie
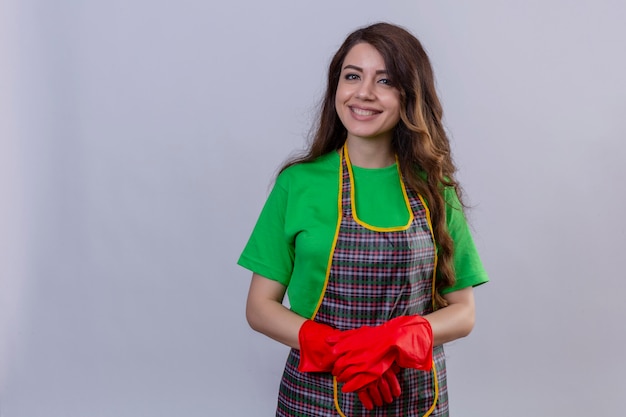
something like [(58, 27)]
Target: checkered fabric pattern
[(374, 276)]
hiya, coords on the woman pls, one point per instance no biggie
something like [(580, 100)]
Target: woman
[(367, 235)]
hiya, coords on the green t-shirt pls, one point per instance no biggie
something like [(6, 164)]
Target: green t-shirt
[(293, 236)]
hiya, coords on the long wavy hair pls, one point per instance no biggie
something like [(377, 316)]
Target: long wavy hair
[(419, 139)]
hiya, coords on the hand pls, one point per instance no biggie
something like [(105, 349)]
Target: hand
[(315, 352), (384, 390), (363, 355)]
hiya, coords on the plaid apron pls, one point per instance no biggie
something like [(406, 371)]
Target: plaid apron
[(375, 274)]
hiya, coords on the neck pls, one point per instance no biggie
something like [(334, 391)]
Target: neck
[(370, 153)]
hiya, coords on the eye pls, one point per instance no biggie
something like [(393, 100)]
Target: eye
[(385, 81), (351, 76)]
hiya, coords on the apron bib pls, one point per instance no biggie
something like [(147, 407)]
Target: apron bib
[(375, 274)]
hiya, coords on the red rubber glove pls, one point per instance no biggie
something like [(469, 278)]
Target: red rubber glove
[(315, 352), (365, 354), (384, 390)]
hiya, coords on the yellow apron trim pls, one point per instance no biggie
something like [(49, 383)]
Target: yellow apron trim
[(436, 384), (353, 199), (332, 248), (430, 228), (336, 398)]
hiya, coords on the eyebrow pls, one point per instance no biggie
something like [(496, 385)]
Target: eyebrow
[(354, 67)]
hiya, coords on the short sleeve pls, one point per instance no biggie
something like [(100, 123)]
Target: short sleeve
[(468, 267), (269, 251)]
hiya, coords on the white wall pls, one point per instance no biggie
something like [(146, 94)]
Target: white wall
[(138, 141)]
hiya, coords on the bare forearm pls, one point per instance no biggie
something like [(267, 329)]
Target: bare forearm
[(277, 322), (266, 314), (454, 321)]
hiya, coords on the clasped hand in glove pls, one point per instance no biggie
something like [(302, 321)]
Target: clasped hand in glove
[(316, 355), (365, 354)]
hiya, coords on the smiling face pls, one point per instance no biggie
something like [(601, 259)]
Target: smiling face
[(366, 101)]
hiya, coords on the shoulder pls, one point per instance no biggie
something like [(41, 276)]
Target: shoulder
[(307, 174), (451, 198), (448, 192)]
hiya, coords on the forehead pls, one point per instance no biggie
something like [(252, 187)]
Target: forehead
[(365, 56)]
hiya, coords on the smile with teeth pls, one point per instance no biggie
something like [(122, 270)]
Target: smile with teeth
[(363, 112)]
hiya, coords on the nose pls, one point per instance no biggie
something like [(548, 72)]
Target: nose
[(365, 91)]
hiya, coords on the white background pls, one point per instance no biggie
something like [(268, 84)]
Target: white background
[(139, 140)]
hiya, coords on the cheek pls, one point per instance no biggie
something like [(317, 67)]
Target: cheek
[(339, 102), (340, 96), (394, 103)]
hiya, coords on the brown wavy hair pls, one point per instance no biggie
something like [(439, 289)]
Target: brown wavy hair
[(419, 139)]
